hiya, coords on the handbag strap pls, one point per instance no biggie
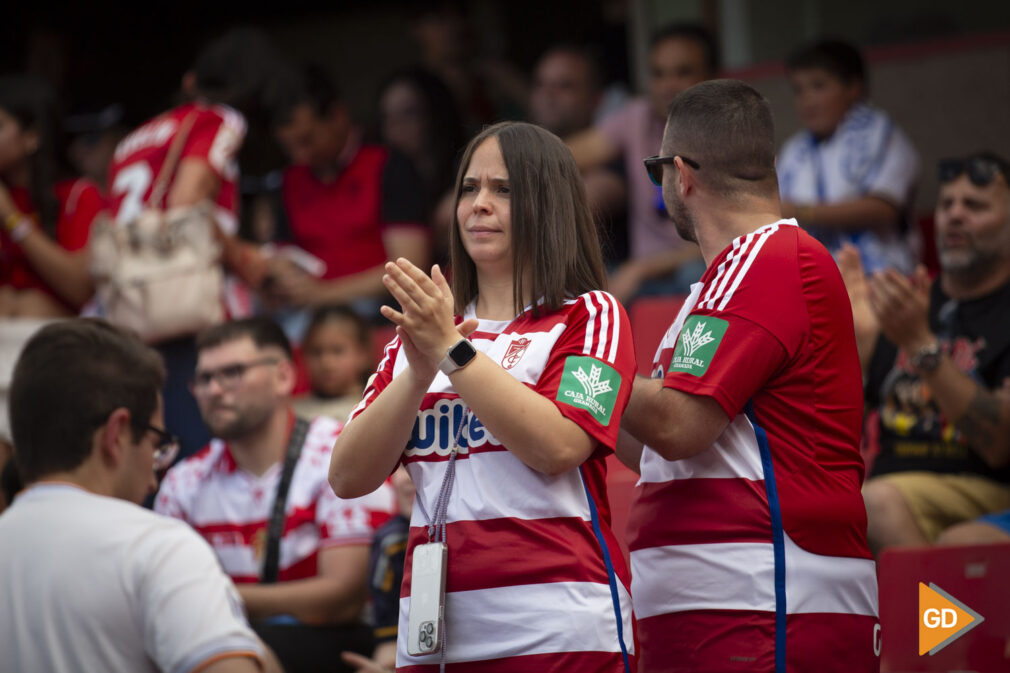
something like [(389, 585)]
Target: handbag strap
[(275, 527), (167, 171)]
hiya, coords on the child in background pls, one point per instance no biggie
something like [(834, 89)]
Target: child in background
[(848, 176), (338, 358)]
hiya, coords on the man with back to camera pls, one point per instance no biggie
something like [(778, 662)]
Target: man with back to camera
[(680, 55), (91, 581), (937, 363), (242, 384), (749, 508)]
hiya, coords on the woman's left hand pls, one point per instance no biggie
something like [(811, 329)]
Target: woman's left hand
[(426, 313)]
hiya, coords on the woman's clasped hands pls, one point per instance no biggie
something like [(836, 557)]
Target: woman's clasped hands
[(425, 322)]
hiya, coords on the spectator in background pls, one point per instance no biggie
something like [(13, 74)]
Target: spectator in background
[(106, 585), (936, 360), (418, 117), (486, 87), (46, 219), (567, 90), (848, 176), (232, 77), (242, 383), (659, 262), (389, 552), (94, 136), (338, 359), (352, 205)]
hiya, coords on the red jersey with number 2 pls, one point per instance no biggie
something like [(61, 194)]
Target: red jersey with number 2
[(215, 138)]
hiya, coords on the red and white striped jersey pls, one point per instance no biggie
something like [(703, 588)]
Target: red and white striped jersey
[(530, 584), (215, 138), (231, 508), (752, 555)]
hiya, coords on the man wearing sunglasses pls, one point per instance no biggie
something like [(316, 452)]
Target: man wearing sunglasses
[(90, 580), (227, 492), (748, 533), (937, 363)]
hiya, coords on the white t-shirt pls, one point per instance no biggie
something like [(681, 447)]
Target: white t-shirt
[(92, 583)]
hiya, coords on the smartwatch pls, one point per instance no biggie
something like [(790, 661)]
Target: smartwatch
[(460, 355), (927, 359)]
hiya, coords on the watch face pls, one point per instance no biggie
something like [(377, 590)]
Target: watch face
[(929, 362), (462, 352)]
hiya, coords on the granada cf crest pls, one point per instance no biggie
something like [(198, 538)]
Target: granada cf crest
[(515, 352)]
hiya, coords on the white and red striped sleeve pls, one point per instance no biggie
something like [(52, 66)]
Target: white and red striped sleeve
[(590, 370), (380, 379)]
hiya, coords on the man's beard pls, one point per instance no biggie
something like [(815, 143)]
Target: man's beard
[(681, 218), (241, 426), (975, 263)]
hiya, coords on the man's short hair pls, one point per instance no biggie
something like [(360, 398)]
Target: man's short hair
[(69, 378), (726, 127), (695, 32), (264, 332), (587, 54), (840, 59), (311, 85)]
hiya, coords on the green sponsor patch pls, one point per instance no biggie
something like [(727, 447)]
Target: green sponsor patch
[(697, 344), (591, 385)]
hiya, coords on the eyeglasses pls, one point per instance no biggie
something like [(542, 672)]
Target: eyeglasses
[(165, 450), (654, 166), (981, 170), (228, 376)]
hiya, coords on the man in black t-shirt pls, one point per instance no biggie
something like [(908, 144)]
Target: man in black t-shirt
[(937, 365)]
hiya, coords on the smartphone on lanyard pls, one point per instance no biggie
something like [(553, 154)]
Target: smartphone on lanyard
[(425, 622)]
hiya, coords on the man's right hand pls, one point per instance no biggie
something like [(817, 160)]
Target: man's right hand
[(864, 320)]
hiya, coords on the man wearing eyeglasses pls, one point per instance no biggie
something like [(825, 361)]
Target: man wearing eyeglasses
[(748, 533), (937, 362), (227, 491), (90, 580)]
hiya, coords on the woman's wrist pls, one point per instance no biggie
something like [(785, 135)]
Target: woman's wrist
[(18, 226)]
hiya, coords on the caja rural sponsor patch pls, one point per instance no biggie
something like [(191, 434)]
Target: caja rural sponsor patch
[(591, 385)]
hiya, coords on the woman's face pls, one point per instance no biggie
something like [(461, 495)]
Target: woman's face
[(334, 359), (16, 144), (403, 120), (484, 210), (822, 99)]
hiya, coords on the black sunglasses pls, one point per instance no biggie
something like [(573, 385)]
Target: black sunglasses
[(980, 170), (654, 166)]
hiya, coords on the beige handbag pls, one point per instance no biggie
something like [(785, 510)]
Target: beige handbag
[(160, 273)]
